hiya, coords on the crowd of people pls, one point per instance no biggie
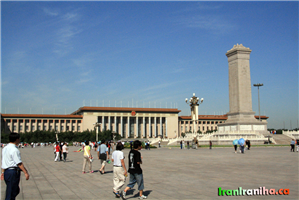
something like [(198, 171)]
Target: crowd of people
[(12, 163)]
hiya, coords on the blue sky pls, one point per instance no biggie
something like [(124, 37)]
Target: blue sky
[(59, 56)]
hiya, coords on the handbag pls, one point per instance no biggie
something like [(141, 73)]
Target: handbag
[(103, 156)]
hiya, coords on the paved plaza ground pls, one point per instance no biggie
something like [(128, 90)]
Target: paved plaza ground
[(168, 174)]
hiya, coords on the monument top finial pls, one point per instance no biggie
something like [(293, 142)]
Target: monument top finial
[(238, 47)]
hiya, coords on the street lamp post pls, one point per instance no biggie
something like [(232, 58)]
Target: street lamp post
[(193, 102), (258, 89), (96, 125)]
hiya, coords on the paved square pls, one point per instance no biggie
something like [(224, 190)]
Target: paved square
[(168, 174)]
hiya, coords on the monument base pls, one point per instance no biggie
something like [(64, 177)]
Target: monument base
[(242, 121)]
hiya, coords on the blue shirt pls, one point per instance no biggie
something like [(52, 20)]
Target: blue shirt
[(102, 148)]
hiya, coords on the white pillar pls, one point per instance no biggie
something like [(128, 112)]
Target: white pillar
[(155, 128), (150, 127), (121, 126), (137, 127), (115, 124), (143, 134), (166, 126), (161, 127), (103, 123), (109, 123), (128, 126)]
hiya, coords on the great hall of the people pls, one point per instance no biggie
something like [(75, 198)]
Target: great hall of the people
[(128, 122)]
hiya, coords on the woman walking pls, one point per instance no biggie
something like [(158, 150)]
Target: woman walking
[(64, 151), (87, 158)]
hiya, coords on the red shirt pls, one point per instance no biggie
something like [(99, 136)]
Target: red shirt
[(57, 148)]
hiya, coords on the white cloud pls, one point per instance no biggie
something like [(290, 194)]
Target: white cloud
[(49, 12), (212, 23)]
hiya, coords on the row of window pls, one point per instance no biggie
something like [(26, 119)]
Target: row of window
[(39, 121), (45, 128)]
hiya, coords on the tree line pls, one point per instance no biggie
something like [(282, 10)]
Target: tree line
[(39, 136)]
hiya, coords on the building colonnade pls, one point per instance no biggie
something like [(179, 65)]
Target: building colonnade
[(134, 126)]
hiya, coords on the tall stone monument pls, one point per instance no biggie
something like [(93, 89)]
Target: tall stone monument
[(240, 116)]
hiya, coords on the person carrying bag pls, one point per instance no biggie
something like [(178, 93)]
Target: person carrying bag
[(103, 155)]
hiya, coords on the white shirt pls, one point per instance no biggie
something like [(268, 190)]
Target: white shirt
[(117, 156), (11, 156), (64, 148)]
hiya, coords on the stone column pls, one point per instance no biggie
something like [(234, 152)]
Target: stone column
[(155, 129), (103, 123), (121, 126), (109, 123), (59, 125), (143, 122), (128, 134), (115, 124), (137, 127), (150, 127), (166, 126), (161, 127)]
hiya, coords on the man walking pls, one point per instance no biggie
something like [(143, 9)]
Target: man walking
[(103, 155), (119, 169), (12, 166), (135, 171)]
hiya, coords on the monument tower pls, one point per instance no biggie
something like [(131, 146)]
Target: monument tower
[(240, 116)]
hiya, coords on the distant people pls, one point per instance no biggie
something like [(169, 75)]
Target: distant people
[(293, 145), (57, 150), (108, 145), (210, 144), (64, 151), (87, 158), (136, 176), (131, 145), (196, 144), (159, 144), (145, 145), (149, 145), (297, 144), (248, 145), (181, 143), (119, 170), (54, 149), (236, 147), (60, 152), (12, 166), (242, 147), (103, 155), (188, 145)]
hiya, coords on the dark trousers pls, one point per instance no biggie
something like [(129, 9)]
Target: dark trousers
[(12, 180), (242, 149), (293, 147), (235, 147), (64, 156)]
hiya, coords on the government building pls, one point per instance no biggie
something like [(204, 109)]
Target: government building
[(128, 122)]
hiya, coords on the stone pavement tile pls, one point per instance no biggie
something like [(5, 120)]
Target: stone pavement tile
[(166, 172), (50, 197)]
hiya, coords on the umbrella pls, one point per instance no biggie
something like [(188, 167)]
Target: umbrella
[(235, 142), (241, 141)]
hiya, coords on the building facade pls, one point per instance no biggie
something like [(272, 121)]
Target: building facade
[(128, 122)]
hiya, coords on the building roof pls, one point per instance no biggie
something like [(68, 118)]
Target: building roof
[(126, 109), (39, 116), (213, 117)]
